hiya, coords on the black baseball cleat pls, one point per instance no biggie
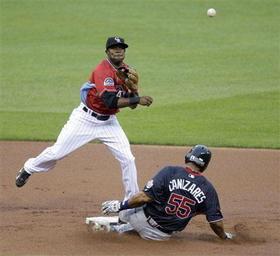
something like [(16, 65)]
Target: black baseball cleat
[(22, 177)]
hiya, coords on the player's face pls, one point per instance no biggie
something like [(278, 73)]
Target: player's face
[(116, 54)]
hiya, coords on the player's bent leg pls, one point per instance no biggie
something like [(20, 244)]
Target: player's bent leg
[(139, 222), (77, 132)]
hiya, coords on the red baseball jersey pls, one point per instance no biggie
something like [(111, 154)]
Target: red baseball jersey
[(104, 79)]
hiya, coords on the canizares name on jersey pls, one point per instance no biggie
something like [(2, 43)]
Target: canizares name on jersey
[(188, 186)]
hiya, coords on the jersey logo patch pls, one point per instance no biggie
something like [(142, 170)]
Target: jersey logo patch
[(108, 81), (191, 176)]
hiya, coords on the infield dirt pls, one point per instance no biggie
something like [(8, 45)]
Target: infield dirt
[(47, 215)]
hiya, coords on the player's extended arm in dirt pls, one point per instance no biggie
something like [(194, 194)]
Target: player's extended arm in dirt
[(218, 228)]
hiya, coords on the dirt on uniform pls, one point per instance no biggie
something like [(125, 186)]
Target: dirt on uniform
[(47, 215)]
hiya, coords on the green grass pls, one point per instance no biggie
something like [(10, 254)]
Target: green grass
[(32, 125), (227, 123), (213, 80)]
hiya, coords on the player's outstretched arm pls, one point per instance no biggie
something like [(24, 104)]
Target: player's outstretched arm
[(218, 228), (111, 100), (141, 100), (115, 206), (138, 200)]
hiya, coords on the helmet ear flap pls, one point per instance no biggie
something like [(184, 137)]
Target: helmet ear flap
[(187, 156)]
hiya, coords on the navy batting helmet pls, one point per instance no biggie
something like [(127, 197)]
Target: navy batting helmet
[(200, 155)]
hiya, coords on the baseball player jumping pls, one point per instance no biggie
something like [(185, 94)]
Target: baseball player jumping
[(111, 86), (170, 200)]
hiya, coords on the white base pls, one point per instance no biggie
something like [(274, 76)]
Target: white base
[(101, 223), (105, 220)]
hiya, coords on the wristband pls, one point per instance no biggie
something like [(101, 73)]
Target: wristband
[(134, 100), (124, 205)]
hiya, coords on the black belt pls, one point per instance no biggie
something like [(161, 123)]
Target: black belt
[(164, 230), (98, 117)]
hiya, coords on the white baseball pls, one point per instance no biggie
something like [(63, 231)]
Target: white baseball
[(211, 12)]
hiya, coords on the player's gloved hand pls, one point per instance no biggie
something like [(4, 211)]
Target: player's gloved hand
[(229, 236), (129, 77), (111, 207)]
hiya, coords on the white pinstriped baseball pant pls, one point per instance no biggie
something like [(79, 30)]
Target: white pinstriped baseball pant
[(80, 129)]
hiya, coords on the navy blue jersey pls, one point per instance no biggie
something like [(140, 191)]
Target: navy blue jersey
[(179, 194)]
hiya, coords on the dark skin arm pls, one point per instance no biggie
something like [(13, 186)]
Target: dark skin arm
[(144, 101), (139, 199), (218, 228), (112, 101)]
